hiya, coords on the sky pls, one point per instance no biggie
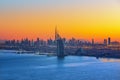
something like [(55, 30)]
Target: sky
[(82, 19)]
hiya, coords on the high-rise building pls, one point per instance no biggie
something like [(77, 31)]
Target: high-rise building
[(109, 40), (50, 42), (93, 42), (60, 44), (105, 42), (60, 48)]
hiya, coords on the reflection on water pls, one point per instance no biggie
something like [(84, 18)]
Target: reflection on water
[(69, 65), (109, 60)]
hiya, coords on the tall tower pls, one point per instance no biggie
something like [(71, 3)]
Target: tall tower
[(59, 43), (93, 42), (105, 42), (109, 40)]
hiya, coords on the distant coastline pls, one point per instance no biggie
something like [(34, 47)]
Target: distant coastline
[(54, 54)]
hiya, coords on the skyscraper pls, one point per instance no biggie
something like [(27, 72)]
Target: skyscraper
[(92, 41), (60, 48), (59, 43), (109, 40), (105, 42)]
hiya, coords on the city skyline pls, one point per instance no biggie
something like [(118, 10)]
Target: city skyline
[(106, 41), (81, 19), (59, 39)]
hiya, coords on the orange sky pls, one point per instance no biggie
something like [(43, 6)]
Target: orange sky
[(96, 20)]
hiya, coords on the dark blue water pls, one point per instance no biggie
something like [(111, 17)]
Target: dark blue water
[(35, 67)]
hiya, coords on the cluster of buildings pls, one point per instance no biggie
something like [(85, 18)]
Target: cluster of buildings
[(40, 42), (62, 46), (107, 42), (50, 42)]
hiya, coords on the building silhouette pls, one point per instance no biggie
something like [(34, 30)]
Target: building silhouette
[(60, 44), (105, 42), (109, 40), (93, 42)]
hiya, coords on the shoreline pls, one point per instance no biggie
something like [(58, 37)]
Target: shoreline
[(53, 54)]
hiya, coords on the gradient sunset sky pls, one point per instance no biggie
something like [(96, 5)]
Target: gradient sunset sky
[(82, 19)]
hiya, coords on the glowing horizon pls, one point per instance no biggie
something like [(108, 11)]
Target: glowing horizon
[(81, 19)]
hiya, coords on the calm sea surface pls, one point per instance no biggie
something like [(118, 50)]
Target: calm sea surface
[(35, 67)]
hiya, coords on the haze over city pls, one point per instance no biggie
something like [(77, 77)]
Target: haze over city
[(82, 19)]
